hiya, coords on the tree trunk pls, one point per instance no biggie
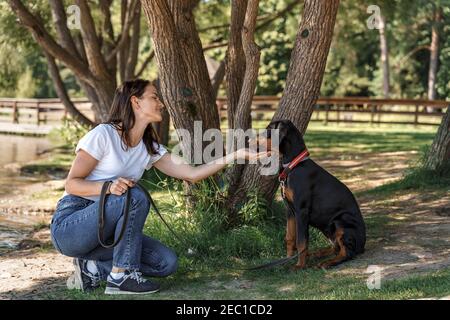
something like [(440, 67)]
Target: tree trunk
[(302, 89), (176, 94), (134, 46), (384, 57), (439, 154), (217, 80), (235, 59), (162, 128), (434, 56), (241, 115), (192, 56)]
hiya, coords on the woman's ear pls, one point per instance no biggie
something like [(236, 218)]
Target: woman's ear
[(134, 101)]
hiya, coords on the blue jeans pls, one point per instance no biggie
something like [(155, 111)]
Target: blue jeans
[(74, 233)]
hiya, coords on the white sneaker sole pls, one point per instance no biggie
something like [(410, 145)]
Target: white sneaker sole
[(75, 281), (110, 290)]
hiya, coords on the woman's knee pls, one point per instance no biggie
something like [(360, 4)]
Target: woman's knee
[(139, 199), (171, 263)]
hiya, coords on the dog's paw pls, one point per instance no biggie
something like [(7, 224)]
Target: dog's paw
[(298, 267), (323, 266)]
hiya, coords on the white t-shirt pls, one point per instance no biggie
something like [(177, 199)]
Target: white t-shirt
[(105, 144)]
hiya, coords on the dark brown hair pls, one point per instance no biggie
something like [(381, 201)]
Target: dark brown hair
[(121, 115)]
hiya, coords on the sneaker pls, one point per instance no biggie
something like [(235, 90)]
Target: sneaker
[(82, 279), (131, 283)]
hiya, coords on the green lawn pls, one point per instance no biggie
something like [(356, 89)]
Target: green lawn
[(209, 275)]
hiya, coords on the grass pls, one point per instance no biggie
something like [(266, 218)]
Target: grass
[(208, 274), (211, 283), (58, 164)]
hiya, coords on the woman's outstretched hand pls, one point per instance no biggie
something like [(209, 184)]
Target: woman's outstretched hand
[(251, 155)]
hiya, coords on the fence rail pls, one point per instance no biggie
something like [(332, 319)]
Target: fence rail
[(327, 109)]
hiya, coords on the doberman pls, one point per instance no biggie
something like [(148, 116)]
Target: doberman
[(315, 198)]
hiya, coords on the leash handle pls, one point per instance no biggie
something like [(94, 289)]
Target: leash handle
[(101, 216)]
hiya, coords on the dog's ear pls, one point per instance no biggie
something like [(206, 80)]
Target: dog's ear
[(282, 134), (284, 129), (295, 134)]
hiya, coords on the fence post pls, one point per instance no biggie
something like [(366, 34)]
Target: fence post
[(338, 113), (15, 113), (38, 112), (326, 114), (378, 110), (372, 113), (416, 116)]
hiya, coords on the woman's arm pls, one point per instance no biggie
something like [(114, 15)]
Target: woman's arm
[(175, 166), (82, 166)]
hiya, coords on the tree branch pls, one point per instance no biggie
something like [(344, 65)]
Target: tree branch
[(410, 54), (91, 41), (62, 93), (265, 19), (134, 45), (64, 35), (281, 13), (80, 46), (133, 10), (265, 23), (105, 7), (47, 43), (144, 65)]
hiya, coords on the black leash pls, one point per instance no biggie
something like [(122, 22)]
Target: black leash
[(101, 214), (101, 225)]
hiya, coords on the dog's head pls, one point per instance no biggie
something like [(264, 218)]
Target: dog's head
[(288, 135)]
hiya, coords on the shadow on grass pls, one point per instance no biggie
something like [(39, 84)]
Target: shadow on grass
[(418, 179)]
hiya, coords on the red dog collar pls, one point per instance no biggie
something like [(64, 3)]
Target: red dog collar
[(302, 156)]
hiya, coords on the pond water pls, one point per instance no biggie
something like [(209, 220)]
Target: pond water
[(20, 149), (16, 150)]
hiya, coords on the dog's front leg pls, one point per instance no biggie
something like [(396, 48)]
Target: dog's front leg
[(301, 219), (291, 236)]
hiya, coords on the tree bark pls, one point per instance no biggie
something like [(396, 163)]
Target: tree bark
[(302, 89), (91, 42), (64, 37), (434, 56), (173, 77), (108, 30), (217, 80), (162, 128), (235, 59), (439, 153), (241, 116), (384, 57), (192, 56), (62, 93), (134, 45)]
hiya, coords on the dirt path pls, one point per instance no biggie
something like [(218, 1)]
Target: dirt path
[(410, 233)]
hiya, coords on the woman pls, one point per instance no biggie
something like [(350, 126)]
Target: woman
[(119, 151)]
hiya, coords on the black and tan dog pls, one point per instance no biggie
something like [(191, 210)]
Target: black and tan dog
[(315, 198)]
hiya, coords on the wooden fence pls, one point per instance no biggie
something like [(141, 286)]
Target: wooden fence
[(345, 109)]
